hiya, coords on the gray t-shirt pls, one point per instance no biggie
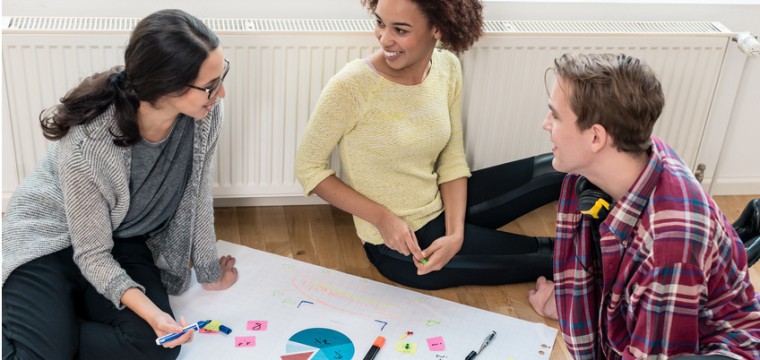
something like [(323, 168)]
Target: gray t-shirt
[(158, 176)]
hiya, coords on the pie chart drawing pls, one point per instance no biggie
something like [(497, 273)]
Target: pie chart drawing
[(319, 344)]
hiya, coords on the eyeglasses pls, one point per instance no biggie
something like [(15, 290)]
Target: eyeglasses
[(215, 88)]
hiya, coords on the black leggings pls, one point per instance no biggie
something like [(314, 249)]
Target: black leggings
[(495, 196), (50, 311)]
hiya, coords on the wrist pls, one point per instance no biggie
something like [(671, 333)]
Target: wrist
[(210, 286), (457, 232), (381, 216), (458, 238)]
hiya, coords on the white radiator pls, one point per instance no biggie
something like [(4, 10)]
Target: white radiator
[(280, 66)]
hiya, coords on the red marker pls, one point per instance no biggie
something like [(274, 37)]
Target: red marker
[(379, 342)]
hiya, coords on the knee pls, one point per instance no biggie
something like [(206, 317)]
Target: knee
[(13, 351), (542, 165), (143, 341), (162, 353), (61, 346), (9, 351), (146, 348)]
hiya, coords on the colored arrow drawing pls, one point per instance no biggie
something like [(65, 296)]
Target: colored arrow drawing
[(304, 301), (382, 322)]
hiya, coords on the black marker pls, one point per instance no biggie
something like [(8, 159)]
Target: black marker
[(379, 342), (485, 343)]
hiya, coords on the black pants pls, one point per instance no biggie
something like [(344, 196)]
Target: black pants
[(50, 311), (495, 197)]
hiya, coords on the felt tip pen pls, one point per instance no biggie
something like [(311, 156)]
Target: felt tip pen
[(485, 343), (379, 342), (195, 327), (224, 329)]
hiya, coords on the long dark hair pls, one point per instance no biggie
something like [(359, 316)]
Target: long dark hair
[(164, 54)]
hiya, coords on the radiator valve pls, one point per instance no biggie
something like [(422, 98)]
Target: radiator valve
[(748, 44)]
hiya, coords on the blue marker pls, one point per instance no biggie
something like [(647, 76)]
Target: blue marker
[(224, 329), (169, 337)]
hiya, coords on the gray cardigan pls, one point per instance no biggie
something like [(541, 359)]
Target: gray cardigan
[(79, 193)]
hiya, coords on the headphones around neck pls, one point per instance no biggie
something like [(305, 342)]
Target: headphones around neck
[(592, 201)]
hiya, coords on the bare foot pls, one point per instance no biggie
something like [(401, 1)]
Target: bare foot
[(542, 298)]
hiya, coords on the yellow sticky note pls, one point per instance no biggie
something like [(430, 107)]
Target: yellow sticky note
[(213, 325), (406, 348)]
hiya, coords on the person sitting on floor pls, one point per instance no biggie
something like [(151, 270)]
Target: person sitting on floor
[(664, 274), (395, 116)]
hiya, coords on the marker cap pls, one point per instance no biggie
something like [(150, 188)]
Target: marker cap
[(379, 342)]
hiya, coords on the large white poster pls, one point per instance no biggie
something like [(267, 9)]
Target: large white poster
[(284, 309)]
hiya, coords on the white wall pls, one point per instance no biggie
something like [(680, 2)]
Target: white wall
[(257, 9), (739, 167)]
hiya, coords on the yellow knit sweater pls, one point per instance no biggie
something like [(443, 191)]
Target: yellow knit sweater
[(397, 143)]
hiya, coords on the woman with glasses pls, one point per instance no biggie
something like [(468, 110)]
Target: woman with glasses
[(425, 220), (112, 217)]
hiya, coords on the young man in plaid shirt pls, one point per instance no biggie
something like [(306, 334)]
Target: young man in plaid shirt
[(664, 274)]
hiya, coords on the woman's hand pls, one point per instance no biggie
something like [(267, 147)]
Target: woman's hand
[(439, 253), (229, 275), (397, 235), (163, 324)]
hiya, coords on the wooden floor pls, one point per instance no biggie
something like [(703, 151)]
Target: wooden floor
[(325, 236)]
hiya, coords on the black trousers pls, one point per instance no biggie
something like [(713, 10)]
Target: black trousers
[(50, 311), (495, 196)]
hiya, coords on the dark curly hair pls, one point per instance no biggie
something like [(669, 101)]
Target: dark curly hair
[(459, 21)]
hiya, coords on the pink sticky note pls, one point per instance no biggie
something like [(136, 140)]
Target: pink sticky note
[(245, 341), (436, 344), (256, 325)]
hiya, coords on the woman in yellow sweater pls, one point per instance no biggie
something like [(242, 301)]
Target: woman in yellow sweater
[(396, 118)]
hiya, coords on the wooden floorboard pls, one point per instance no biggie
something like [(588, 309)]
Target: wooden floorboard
[(324, 235)]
